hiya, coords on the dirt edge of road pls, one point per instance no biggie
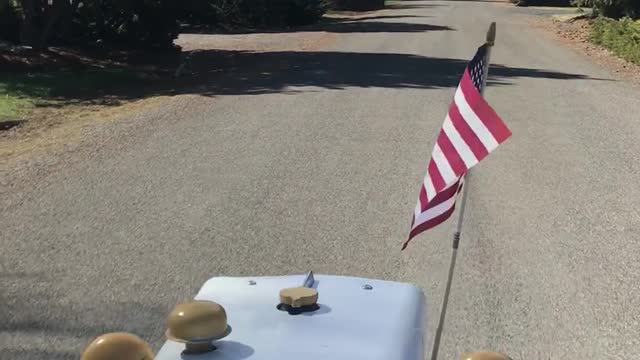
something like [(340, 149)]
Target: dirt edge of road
[(575, 34)]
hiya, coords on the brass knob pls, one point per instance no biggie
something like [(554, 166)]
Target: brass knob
[(118, 346), (485, 355), (298, 297), (197, 321)]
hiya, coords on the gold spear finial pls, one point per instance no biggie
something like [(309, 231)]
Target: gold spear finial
[(491, 34)]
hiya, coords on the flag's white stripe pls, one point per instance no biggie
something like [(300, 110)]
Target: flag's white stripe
[(435, 211), (443, 165), (417, 210), (474, 122), (462, 148), (452, 184), (428, 186)]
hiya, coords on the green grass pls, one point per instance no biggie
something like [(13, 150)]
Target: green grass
[(620, 36), (12, 107), (19, 93)]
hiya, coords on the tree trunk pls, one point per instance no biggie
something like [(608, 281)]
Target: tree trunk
[(66, 21), (53, 14), (28, 33), (100, 24)]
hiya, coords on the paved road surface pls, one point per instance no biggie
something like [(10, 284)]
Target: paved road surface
[(316, 165)]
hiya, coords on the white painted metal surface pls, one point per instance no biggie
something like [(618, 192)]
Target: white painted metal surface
[(384, 323)]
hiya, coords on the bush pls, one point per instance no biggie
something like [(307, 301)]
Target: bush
[(358, 5), (620, 36), (612, 8), (141, 23), (277, 13), (252, 13), (120, 23), (304, 12), (125, 23)]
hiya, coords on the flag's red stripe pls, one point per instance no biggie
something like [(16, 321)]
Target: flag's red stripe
[(450, 152), (467, 134), (423, 198), (442, 196), (487, 115), (429, 224), (450, 192), (436, 177)]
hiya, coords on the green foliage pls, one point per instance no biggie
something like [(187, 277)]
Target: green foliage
[(304, 12), (21, 92), (612, 8), (141, 23), (620, 36), (122, 23), (358, 5), (278, 13), (253, 13)]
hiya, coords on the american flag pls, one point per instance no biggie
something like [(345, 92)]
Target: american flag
[(470, 132)]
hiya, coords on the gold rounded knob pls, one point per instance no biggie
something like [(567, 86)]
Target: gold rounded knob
[(485, 355), (197, 321), (298, 297), (118, 346)]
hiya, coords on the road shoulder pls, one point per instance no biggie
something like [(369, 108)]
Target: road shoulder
[(574, 33)]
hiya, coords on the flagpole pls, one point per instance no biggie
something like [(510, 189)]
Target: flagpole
[(491, 37)]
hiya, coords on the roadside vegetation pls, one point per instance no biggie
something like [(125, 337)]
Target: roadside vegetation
[(56, 52), (615, 24), (620, 36)]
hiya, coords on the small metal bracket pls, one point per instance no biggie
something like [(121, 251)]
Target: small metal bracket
[(309, 280)]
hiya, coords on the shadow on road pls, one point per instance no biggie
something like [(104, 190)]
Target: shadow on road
[(238, 73), (40, 354), (487, 1), (339, 24), (217, 72), (378, 17), (45, 314), (411, 6)]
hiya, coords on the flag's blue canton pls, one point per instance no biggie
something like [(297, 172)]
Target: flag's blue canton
[(476, 67)]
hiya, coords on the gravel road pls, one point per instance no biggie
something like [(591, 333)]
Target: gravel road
[(311, 160)]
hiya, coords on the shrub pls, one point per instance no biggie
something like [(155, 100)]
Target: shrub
[(147, 23), (276, 13), (612, 8), (620, 36), (358, 5), (304, 12), (121, 23), (125, 23), (142, 23), (252, 13)]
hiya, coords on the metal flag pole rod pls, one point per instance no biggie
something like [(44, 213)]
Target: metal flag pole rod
[(491, 37)]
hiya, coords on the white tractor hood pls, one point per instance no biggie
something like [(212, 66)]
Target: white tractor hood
[(358, 319)]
